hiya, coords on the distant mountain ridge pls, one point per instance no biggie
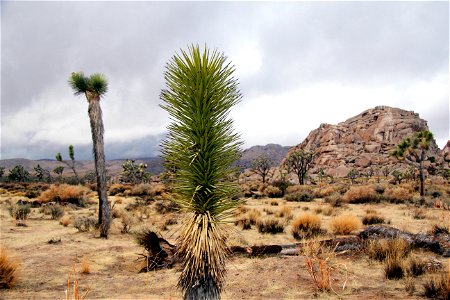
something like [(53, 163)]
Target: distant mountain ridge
[(274, 151), (155, 164)]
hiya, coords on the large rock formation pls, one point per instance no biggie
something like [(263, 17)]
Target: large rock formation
[(362, 141)]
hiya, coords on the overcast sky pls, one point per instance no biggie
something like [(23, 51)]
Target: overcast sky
[(299, 64)]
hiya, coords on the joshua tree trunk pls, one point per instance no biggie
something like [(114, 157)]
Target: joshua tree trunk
[(95, 116)]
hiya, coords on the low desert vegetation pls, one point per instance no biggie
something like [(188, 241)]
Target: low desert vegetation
[(8, 269), (361, 194), (437, 286), (344, 224), (270, 225), (306, 226), (74, 194)]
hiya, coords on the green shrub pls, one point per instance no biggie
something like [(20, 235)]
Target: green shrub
[(20, 212), (299, 197)]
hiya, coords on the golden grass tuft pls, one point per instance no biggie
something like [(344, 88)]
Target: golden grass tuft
[(85, 267), (73, 289), (344, 224), (285, 212), (361, 194), (254, 216), (306, 226), (75, 194), (8, 269), (65, 221)]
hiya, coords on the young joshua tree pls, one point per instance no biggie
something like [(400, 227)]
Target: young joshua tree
[(414, 151), (70, 164), (201, 147), (299, 162), (94, 87)]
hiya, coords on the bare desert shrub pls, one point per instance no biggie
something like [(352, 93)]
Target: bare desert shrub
[(8, 269), (344, 224), (306, 226), (361, 194), (164, 207), (56, 211), (75, 194), (128, 220), (438, 286), (270, 225), (398, 194), (85, 224), (273, 192)]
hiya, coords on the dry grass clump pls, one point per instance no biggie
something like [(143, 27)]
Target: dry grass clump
[(361, 194), (274, 203), (85, 267), (344, 224), (146, 189), (254, 215), (270, 225), (244, 223), (382, 248), (306, 226), (128, 221), (415, 267), (372, 217), (419, 214), (118, 189), (65, 221), (398, 194), (438, 286), (75, 194), (285, 212), (8, 270)]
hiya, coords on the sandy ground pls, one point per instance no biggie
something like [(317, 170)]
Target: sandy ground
[(44, 267)]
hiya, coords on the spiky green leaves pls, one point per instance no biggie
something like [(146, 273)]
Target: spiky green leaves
[(201, 144), (201, 148), (81, 84)]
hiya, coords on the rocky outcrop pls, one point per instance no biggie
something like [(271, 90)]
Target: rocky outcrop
[(362, 141)]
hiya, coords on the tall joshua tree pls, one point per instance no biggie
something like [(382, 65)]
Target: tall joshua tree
[(94, 87), (414, 150), (201, 147)]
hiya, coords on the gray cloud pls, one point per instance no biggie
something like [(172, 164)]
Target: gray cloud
[(284, 53)]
